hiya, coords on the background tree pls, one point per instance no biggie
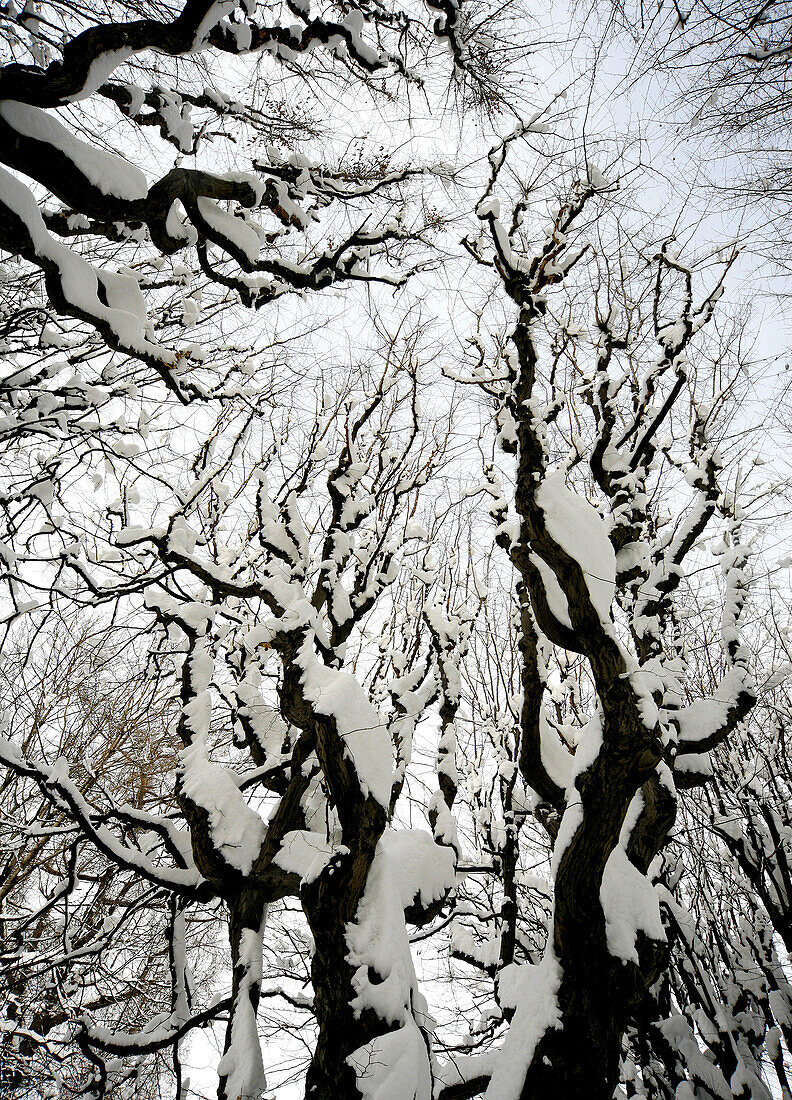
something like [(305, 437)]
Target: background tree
[(246, 228), (719, 74), (79, 935)]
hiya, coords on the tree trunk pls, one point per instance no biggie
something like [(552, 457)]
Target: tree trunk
[(241, 1070), (330, 903)]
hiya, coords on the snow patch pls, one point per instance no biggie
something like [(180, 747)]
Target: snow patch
[(305, 853), (339, 696), (630, 904), (242, 1063), (532, 990), (408, 866), (112, 175), (579, 530), (394, 1066)]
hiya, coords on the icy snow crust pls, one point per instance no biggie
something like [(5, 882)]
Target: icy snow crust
[(578, 529)]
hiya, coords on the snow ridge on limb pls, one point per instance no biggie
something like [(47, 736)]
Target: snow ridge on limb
[(450, 639), (241, 1068), (577, 527), (338, 696), (54, 782), (237, 831), (706, 723)]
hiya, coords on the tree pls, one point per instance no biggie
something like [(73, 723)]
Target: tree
[(79, 935), (604, 591), (109, 212), (234, 577), (264, 531), (106, 199), (728, 980)]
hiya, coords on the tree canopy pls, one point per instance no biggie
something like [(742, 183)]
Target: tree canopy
[(394, 647)]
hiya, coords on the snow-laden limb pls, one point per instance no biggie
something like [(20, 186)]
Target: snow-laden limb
[(553, 592), (91, 57), (630, 902), (366, 743), (700, 721), (556, 756), (705, 723), (450, 636), (111, 174), (464, 1070), (54, 782), (306, 853), (161, 1030), (243, 237), (237, 830), (255, 626), (411, 693), (160, 1036), (579, 530), (111, 301)]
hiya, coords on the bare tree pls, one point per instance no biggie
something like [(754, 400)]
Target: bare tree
[(81, 937), (285, 777), (724, 68)]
